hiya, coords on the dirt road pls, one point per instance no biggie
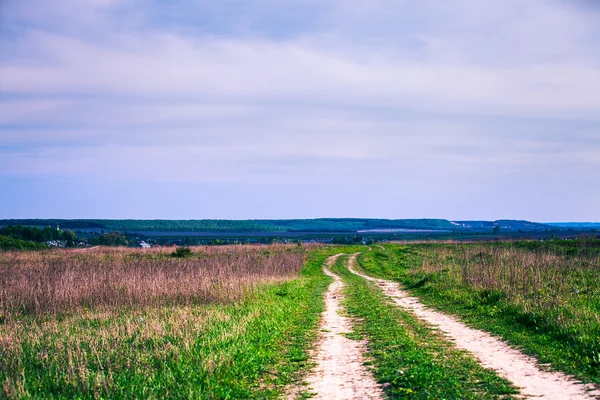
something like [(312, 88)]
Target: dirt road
[(340, 371), (492, 353)]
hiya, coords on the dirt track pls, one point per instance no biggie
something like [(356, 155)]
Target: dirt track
[(340, 371), (493, 353)]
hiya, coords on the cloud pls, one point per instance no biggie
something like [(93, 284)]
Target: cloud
[(167, 65), (267, 92)]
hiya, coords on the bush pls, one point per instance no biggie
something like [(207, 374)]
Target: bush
[(181, 252)]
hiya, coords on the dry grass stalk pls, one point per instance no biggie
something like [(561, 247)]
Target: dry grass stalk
[(534, 279), (59, 280)]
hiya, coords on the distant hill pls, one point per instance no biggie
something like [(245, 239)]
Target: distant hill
[(287, 225), (206, 225), (504, 224), (355, 224), (576, 225)]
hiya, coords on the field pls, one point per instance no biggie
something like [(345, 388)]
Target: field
[(540, 296), (228, 322)]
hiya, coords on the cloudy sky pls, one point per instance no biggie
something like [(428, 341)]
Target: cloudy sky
[(455, 109)]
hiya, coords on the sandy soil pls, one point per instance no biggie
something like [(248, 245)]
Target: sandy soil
[(492, 353), (340, 372)]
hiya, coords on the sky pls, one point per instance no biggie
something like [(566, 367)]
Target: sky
[(182, 109)]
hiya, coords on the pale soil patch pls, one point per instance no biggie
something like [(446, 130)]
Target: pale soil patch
[(340, 372), (492, 353)]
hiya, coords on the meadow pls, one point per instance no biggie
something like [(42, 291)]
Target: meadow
[(225, 322), (60, 280), (228, 322), (542, 297)]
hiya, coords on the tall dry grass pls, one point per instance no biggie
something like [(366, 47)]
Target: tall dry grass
[(540, 279), (59, 280), (543, 296)]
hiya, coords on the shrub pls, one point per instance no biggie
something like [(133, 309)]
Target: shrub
[(181, 252)]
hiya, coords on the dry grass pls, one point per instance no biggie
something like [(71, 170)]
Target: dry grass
[(60, 280), (534, 280), (541, 296), (148, 331)]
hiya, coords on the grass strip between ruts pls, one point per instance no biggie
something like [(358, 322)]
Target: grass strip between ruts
[(413, 360)]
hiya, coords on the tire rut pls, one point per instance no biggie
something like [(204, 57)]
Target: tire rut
[(340, 372)]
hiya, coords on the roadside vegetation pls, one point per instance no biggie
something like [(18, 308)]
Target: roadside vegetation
[(543, 297), (413, 360), (224, 322)]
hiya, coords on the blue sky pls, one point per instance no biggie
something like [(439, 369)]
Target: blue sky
[(300, 108)]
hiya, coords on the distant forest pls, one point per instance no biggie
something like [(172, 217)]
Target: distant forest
[(290, 225)]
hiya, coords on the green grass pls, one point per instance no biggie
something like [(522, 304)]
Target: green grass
[(250, 349), (413, 360), (542, 298)]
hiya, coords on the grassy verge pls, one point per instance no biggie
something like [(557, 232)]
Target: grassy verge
[(249, 349), (412, 359), (544, 302)]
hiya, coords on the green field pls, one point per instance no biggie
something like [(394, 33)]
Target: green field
[(250, 347), (543, 297), (233, 322)]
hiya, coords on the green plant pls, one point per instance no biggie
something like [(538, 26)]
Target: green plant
[(181, 252)]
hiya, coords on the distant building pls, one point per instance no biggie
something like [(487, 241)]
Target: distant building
[(56, 243), (144, 245)]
